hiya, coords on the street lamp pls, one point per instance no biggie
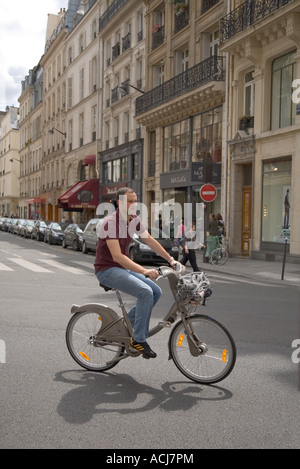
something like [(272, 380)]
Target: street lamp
[(14, 159), (123, 88), (52, 132)]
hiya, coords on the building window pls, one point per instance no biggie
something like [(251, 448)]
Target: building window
[(207, 136), (135, 167), (249, 94), (276, 200), (94, 123), (124, 169), (116, 177), (107, 172), (283, 110), (81, 81), (182, 61), (158, 75), (176, 146), (214, 43), (70, 93), (81, 129)]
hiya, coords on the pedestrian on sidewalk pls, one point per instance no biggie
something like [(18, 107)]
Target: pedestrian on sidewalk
[(213, 226), (190, 247)]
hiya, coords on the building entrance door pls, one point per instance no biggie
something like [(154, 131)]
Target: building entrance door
[(246, 220)]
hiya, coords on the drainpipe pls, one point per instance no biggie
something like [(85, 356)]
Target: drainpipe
[(225, 169)]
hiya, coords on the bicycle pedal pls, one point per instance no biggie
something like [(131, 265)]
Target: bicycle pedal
[(166, 324)]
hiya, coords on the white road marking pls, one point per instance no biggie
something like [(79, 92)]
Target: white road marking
[(30, 266), (60, 266)]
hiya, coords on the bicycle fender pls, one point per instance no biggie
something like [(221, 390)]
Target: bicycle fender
[(106, 314)]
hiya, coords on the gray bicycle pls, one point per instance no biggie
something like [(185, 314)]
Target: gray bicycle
[(201, 348), (219, 256)]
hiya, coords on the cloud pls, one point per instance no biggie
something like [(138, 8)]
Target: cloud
[(22, 41)]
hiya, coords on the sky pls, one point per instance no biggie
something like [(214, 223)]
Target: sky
[(23, 26)]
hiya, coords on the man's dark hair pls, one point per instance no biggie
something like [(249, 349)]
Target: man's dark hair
[(123, 191)]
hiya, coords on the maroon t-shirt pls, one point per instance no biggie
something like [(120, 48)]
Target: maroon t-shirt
[(115, 227)]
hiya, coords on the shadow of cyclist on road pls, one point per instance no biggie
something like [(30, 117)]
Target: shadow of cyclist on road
[(121, 393)]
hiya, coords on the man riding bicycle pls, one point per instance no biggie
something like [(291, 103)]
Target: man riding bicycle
[(116, 270)]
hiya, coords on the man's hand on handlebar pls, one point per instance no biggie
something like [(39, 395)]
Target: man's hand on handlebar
[(153, 274), (176, 265)]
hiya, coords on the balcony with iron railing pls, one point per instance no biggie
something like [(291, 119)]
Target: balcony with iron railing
[(126, 42), (211, 69), (248, 14), (116, 51), (111, 11), (182, 17), (158, 36)]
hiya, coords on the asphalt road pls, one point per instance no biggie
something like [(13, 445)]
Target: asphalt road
[(47, 401)]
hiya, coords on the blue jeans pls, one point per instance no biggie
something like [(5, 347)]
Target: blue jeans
[(142, 288)]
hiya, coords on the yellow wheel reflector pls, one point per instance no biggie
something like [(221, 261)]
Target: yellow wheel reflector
[(85, 356), (180, 340), (224, 356), (100, 319)]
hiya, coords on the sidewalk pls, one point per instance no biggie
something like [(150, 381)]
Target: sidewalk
[(255, 269)]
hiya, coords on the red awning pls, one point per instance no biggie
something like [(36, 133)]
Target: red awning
[(84, 194), (91, 159)]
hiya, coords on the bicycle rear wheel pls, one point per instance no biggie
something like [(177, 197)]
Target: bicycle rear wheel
[(219, 256), (85, 346), (212, 355)]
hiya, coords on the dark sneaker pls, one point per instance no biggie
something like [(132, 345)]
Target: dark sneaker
[(143, 348)]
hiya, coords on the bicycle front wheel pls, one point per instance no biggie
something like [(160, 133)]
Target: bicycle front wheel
[(209, 356), (85, 345), (219, 256)]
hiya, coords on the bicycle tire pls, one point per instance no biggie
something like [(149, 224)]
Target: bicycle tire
[(216, 350), (85, 348), (219, 256)]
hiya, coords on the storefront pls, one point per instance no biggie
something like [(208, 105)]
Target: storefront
[(82, 198), (122, 166), (192, 157), (276, 204), (33, 209)]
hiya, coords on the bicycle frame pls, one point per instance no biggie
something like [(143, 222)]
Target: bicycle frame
[(116, 329)]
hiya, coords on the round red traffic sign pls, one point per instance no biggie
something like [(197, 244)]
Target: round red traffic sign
[(208, 193)]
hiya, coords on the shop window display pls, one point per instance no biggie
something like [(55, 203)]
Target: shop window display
[(276, 207)]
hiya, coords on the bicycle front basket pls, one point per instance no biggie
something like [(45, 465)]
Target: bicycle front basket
[(194, 287)]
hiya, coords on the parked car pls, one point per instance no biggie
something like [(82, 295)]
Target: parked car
[(54, 233), (89, 236), (12, 225), (38, 230), (2, 220), (141, 252), (22, 228), (18, 226), (6, 223), (28, 228), (73, 236)]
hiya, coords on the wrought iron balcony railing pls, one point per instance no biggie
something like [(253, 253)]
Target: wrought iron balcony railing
[(211, 69), (111, 11), (249, 13), (182, 19), (158, 36)]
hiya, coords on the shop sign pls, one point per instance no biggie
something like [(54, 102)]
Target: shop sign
[(108, 191), (175, 179), (198, 173)]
